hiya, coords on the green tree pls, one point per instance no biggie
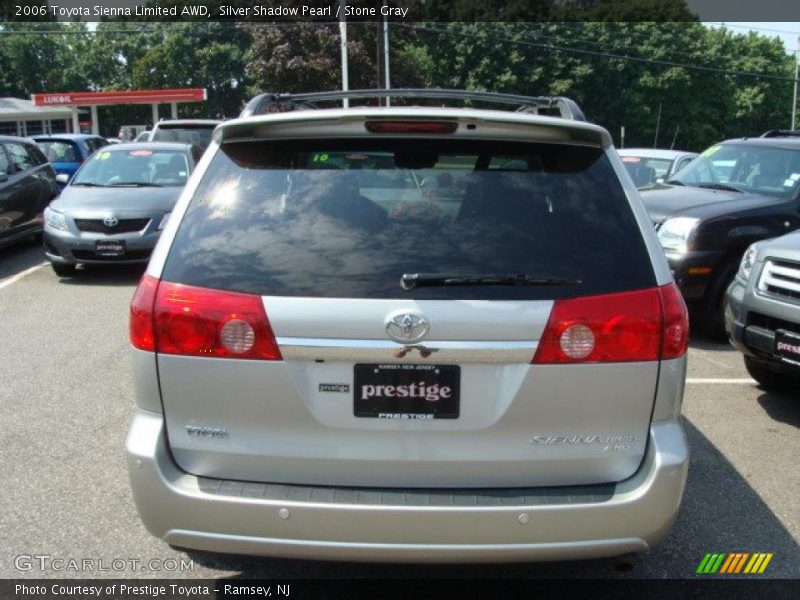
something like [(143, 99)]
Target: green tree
[(209, 55)]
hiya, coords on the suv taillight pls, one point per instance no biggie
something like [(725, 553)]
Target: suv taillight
[(676, 322), (172, 318), (644, 325)]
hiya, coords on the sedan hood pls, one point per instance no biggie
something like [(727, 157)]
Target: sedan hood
[(665, 201), (79, 199)]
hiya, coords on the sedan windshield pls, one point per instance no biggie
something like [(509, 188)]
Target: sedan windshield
[(134, 167), (745, 168)]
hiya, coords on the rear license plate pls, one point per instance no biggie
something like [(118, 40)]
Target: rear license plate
[(413, 392), (109, 248), (787, 346)]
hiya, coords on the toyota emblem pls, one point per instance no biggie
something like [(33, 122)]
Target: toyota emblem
[(110, 221), (407, 327)]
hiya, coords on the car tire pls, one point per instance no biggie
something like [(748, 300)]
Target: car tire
[(712, 308), (63, 270), (767, 379)]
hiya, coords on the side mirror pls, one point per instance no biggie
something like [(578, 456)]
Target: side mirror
[(62, 178)]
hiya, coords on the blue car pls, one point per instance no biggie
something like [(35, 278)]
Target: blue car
[(67, 151)]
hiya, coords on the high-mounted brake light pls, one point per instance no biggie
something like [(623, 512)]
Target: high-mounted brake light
[(430, 127), (172, 318), (643, 325)]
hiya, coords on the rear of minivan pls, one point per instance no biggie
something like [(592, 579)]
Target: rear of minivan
[(409, 334)]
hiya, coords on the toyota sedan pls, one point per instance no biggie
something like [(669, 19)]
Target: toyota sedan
[(115, 207)]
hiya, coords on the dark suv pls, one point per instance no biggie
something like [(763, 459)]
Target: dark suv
[(27, 184), (736, 193)]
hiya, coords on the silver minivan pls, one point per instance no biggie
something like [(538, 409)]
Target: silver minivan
[(409, 333)]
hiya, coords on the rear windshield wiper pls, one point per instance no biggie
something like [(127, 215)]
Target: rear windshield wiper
[(88, 184), (718, 186), (410, 281), (135, 184)]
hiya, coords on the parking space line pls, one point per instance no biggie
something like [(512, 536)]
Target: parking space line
[(21, 274), (743, 381), (713, 361)]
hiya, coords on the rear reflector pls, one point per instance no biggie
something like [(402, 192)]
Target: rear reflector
[(179, 319), (411, 127), (644, 325)]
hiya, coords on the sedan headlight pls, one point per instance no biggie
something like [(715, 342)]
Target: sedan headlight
[(163, 222), (674, 234), (746, 266), (55, 219)]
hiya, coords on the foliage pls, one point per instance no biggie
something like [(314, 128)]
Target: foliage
[(623, 73)]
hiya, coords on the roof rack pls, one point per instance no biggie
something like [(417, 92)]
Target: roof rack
[(773, 133), (270, 102)]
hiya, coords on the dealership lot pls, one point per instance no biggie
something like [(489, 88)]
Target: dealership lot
[(66, 401)]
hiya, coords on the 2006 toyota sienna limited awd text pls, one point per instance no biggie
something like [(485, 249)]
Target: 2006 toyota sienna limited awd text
[(409, 334)]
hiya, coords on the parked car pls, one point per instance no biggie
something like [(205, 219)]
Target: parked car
[(736, 193), (648, 166), (115, 207), (27, 184), (762, 315), (67, 151), (188, 131), (321, 373)]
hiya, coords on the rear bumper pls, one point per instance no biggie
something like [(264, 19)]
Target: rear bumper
[(405, 525)]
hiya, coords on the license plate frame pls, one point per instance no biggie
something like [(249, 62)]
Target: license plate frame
[(787, 347), (110, 248), (439, 396)]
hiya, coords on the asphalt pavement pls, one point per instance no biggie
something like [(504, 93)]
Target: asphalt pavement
[(66, 401)]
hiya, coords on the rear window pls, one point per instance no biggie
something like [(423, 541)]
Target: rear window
[(347, 219), (646, 171), (60, 151), (197, 135)]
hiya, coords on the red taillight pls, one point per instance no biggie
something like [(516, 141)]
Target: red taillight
[(141, 323), (411, 127), (676, 322), (643, 325), (172, 318)]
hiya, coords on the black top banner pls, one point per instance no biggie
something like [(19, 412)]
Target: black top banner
[(400, 10)]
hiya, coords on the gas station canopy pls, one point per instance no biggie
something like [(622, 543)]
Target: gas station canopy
[(94, 99)]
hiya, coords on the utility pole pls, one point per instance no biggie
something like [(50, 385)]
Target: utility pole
[(386, 55), (658, 124), (675, 137), (794, 97), (343, 37)]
